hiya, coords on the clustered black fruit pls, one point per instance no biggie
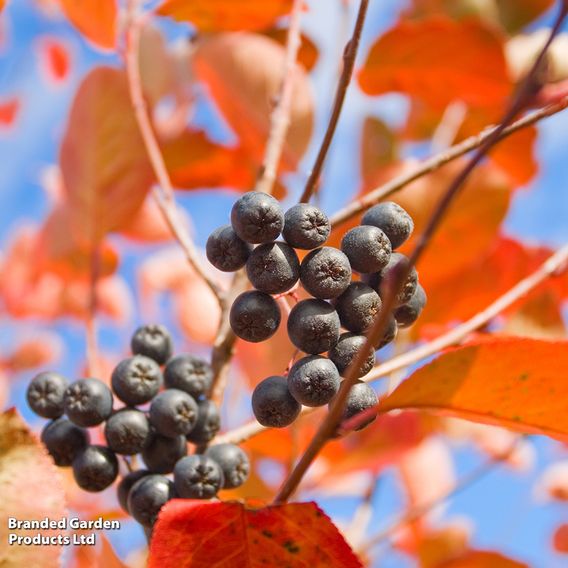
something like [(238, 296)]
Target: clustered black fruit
[(174, 391), (338, 302)]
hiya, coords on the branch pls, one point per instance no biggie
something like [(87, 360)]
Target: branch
[(349, 55), (280, 117), (553, 266), (91, 323), (164, 194), (439, 160)]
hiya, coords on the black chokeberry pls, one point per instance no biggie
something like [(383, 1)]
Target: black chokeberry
[(273, 268), (153, 341), (367, 248), (358, 307), (233, 461), (313, 380), (147, 496), (390, 333), (64, 441), (126, 484), (95, 468), (361, 397), (162, 453), (45, 394), (305, 226), (190, 374), (127, 431), (272, 403), (198, 477), (384, 278), (257, 218), (225, 250), (136, 380), (408, 313), (88, 402), (207, 425), (173, 413), (255, 316), (325, 273), (392, 219), (346, 350), (313, 326)]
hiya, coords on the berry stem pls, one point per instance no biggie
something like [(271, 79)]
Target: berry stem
[(280, 116), (349, 56), (436, 162), (163, 193)]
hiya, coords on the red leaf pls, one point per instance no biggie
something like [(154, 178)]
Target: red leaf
[(33, 353), (95, 19), (482, 559), (193, 534), (54, 59), (9, 110), (560, 539)]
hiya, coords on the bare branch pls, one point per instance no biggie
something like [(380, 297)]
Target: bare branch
[(349, 56)]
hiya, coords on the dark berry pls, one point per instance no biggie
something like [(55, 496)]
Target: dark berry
[(313, 326), (273, 268), (233, 461), (225, 250), (95, 468), (257, 218), (152, 341), (207, 425), (390, 333), (147, 496), (361, 397), (386, 277), (358, 307), (305, 226), (325, 273), (313, 380), (127, 431), (64, 441), (367, 248), (136, 380), (173, 413), (255, 316), (88, 402), (408, 313), (45, 394), (198, 477), (392, 219), (347, 348), (190, 374), (126, 484), (272, 403), (162, 453)]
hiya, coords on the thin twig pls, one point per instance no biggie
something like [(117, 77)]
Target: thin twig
[(439, 160), (363, 514), (554, 265), (164, 194), (91, 321), (280, 117), (526, 92), (349, 56)]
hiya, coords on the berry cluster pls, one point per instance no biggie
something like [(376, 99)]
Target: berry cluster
[(340, 311), (155, 422)]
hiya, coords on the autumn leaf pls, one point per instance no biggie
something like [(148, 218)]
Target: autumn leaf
[(95, 19), (482, 559), (193, 534), (9, 110), (35, 495), (105, 170), (421, 59), (308, 53), (54, 58), (226, 15), (511, 382)]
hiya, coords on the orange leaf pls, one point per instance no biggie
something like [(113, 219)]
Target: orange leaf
[(243, 72), (378, 150), (105, 170), (482, 559), (298, 534), (511, 382), (226, 15), (421, 59), (37, 352), (34, 495), (95, 19), (560, 539), (8, 112)]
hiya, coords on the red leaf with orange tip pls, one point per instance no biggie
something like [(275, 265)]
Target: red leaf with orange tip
[(9, 110), (95, 19), (226, 15), (297, 534), (421, 59), (510, 382)]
